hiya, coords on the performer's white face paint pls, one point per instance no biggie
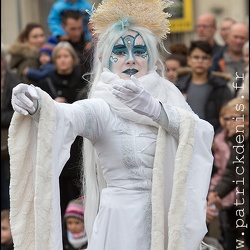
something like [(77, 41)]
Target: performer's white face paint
[(129, 56)]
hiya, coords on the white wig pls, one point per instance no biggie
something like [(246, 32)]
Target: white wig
[(92, 177), (108, 39)]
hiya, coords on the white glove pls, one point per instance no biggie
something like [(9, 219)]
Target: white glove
[(132, 93), (25, 99)]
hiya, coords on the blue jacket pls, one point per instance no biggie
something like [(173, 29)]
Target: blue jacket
[(42, 72), (54, 17)]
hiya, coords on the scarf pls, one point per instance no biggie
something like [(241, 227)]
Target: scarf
[(158, 87), (77, 240)]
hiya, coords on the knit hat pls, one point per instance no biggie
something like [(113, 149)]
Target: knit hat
[(47, 48), (75, 209)]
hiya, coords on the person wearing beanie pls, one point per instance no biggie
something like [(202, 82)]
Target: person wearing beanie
[(74, 235), (46, 64), (47, 49)]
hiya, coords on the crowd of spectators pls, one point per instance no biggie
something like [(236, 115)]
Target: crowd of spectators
[(213, 78)]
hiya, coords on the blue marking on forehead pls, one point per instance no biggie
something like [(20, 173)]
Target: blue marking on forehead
[(129, 40)]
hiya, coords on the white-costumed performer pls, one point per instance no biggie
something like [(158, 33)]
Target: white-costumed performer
[(147, 156)]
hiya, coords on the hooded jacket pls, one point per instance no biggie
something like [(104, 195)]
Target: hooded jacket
[(54, 17), (23, 55)]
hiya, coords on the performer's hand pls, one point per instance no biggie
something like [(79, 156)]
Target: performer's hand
[(132, 93), (25, 99)]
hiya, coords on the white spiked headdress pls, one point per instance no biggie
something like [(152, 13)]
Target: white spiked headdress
[(149, 14)]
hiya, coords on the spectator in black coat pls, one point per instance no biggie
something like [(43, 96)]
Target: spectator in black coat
[(205, 91), (67, 85)]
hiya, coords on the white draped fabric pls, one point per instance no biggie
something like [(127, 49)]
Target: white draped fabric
[(157, 180)]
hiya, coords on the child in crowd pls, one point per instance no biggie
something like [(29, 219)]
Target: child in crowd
[(46, 67), (6, 237), (74, 236), (204, 91), (172, 65)]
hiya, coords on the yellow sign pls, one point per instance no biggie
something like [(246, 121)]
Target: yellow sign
[(182, 16)]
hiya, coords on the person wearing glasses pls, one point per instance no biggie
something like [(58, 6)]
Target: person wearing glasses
[(205, 31), (231, 61), (235, 177), (224, 29), (204, 90)]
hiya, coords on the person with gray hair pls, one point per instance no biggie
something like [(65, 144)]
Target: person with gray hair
[(145, 151), (224, 28), (231, 60), (205, 29)]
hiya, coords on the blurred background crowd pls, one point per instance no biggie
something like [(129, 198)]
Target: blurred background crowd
[(50, 43)]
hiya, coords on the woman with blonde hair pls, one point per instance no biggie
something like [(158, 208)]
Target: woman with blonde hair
[(66, 85)]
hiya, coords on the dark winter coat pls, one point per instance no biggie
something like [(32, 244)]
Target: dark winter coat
[(228, 182), (7, 247), (10, 81), (219, 95), (85, 57), (23, 55), (67, 86)]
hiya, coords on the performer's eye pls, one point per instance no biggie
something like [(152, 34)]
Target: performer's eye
[(120, 50), (139, 50)]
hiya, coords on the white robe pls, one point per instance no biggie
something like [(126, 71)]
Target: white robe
[(126, 151)]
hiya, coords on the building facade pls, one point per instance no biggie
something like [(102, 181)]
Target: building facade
[(15, 14)]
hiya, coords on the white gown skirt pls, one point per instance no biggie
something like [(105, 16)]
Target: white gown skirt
[(123, 221)]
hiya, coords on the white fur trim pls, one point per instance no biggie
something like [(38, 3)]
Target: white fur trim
[(157, 231), (182, 163), (31, 178), (176, 211)]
